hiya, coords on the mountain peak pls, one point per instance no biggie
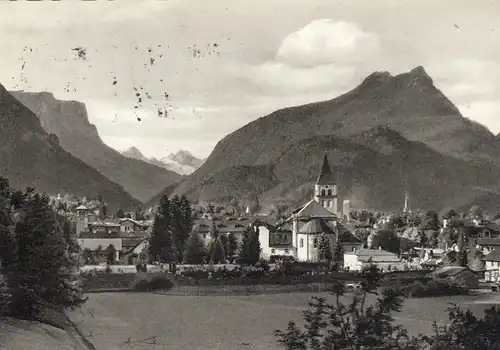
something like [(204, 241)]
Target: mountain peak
[(417, 76), (133, 152), (377, 78)]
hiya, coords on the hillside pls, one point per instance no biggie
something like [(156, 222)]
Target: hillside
[(29, 156), (453, 161), (69, 121), (182, 162)]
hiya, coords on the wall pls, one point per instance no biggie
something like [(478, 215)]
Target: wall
[(351, 261), (307, 252), (492, 271)]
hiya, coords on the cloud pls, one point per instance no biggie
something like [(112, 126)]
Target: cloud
[(323, 55), (325, 42)]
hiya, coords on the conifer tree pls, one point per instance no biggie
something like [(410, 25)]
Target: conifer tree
[(195, 250), (44, 263), (250, 247), (324, 248), (216, 251), (110, 254), (231, 246), (160, 246)]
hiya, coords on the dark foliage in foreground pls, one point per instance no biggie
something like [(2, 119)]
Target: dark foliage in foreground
[(354, 325), (38, 256)]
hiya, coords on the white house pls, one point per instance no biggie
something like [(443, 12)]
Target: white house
[(275, 241), (359, 258), (492, 266)]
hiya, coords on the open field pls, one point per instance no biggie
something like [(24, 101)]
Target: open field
[(224, 322)]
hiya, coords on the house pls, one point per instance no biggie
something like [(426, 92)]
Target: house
[(384, 260), (487, 245), (457, 274), (492, 266), (275, 241)]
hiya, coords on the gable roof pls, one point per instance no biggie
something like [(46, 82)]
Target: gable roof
[(314, 210), (326, 176), (488, 241), (447, 271), (376, 255), (493, 256), (316, 226), (133, 221)]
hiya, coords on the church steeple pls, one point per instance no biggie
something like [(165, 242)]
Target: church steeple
[(325, 190), (325, 176)]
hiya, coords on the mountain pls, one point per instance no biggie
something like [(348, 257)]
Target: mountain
[(69, 121), (388, 135), (29, 156), (182, 162)]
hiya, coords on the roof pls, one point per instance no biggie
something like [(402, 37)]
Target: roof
[(344, 235), (326, 176), (129, 243), (375, 255), (492, 226), (104, 223), (450, 270), (488, 241), (316, 226), (493, 256), (95, 235), (314, 210), (92, 243), (82, 207), (134, 221)]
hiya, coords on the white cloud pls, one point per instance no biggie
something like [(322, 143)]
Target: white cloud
[(324, 42), (324, 55)]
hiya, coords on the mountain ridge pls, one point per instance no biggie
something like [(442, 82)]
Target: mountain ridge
[(407, 104), (30, 156), (69, 121), (181, 162)]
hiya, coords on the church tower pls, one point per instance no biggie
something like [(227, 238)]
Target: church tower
[(325, 190)]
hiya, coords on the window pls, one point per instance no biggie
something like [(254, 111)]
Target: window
[(329, 192), (323, 192), (286, 251), (302, 242), (315, 243), (273, 251)]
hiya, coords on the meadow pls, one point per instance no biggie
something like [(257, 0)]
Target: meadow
[(130, 320)]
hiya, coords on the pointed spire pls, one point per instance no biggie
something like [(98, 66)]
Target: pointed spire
[(326, 176)]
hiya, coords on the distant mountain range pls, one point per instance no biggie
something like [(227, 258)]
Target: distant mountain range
[(69, 121), (31, 156), (389, 135), (182, 162)]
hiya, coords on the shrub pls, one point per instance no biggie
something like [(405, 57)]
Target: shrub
[(152, 283), (434, 288)]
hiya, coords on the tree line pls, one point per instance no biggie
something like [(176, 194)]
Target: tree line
[(38, 256), (173, 239)]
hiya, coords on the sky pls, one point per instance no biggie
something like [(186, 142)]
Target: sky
[(211, 67)]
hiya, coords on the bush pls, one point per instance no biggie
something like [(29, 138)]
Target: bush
[(151, 284), (434, 288)]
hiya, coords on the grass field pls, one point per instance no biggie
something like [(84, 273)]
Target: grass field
[(224, 323)]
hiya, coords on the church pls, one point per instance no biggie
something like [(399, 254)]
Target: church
[(321, 215)]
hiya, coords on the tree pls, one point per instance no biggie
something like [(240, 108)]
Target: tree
[(431, 221), (387, 240), (216, 251), (231, 246), (324, 249), (120, 213), (224, 241), (110, 254), (475, 212), (250, 247), (195, 250), (160, 246), (182, 224), (354, 326), (41, 275), (338, 257)]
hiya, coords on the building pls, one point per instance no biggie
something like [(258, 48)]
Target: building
[(325, 189), (125, 234), (275, 241), (457, 274), (360, 258), (492, 265)]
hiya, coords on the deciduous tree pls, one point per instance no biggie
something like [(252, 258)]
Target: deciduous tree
[(196, 251)]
